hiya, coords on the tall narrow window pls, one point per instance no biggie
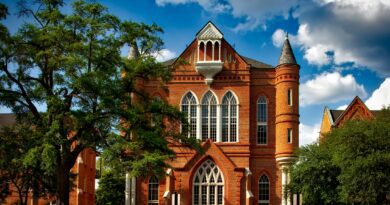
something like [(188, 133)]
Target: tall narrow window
[(263, 190), (216, 51), (208, 185), (289, 97), (289, 135), (209, 117), (262, 120), (188, 107), (201, 51), (209, 51), (229, 118), (153, 191), (175, 198)]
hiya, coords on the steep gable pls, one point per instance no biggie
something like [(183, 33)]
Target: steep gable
[(326, 123), (355, 110)]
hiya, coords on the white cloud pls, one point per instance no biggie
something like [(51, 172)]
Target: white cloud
[(308, 134), (164, 55), (380, 97), (174, 2), (330, 88), (336, 32), (342, 107), (346, 31), (330, 32), (257, 12), (317, 55), (208, 5), (278, 37)]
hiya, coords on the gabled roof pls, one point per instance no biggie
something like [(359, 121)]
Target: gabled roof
[(255, 63), (336, 116), (209, 29)]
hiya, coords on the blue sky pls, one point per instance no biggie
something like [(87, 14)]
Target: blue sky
[(341, 45)]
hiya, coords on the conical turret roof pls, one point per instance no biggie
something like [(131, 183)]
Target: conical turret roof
[(133, 52), (287, 55)]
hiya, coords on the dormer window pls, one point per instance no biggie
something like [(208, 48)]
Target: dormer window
[(209, 52)]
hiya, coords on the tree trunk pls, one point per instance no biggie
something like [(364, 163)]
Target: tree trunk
[(63, 185)]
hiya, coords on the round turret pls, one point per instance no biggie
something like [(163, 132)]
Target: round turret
[(287, 105)]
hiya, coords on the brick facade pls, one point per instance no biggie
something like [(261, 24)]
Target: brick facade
[(242, 163)]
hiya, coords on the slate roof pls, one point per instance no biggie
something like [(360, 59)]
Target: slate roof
[(335, 114), (287, 55), (253, 63)]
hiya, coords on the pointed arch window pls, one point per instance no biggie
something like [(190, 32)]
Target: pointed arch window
[(188, 107), (263, 190), (209, 116), (229, 118), (208, 185), (153, 191), (262, 120)]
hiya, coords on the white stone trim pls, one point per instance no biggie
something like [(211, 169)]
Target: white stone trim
[(209, 32)]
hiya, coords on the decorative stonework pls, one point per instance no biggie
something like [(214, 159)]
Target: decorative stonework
[(209, 32), (209, 70)]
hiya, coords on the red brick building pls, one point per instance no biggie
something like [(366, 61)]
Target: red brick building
[(332, 119), (247, 115), (83, 191)]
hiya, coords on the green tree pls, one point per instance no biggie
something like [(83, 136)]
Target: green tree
[(350, 166), (19, 164), (315, 175), (362, 151), (111, 190), (71, 65)]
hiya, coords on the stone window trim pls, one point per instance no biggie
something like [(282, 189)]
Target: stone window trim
[(153, 188), (217, 116), (208, 184), (264, 190), (262, 120)]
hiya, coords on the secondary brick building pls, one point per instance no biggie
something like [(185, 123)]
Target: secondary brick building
[(247, 115), (83, 184), (332, 119)]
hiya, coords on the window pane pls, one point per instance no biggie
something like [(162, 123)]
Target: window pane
[(212, 195), (153, 190), (209, 117), (196, 195), (263, 190), (289, 135), (210, 188), (261, 134), (188, 107), (220, 194), (229, 118), (204, 195), (225, 123)]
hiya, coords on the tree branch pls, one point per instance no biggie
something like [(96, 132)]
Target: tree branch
[(31, 105)]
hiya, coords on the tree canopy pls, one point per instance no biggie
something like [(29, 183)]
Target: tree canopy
[(70, 65), (351, 165)]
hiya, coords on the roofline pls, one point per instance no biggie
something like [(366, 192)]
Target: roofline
[(349, 106), (283, 64), (330, 117), (206, 25)]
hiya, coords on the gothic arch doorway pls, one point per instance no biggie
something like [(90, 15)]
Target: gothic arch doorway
[(208, 185)]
